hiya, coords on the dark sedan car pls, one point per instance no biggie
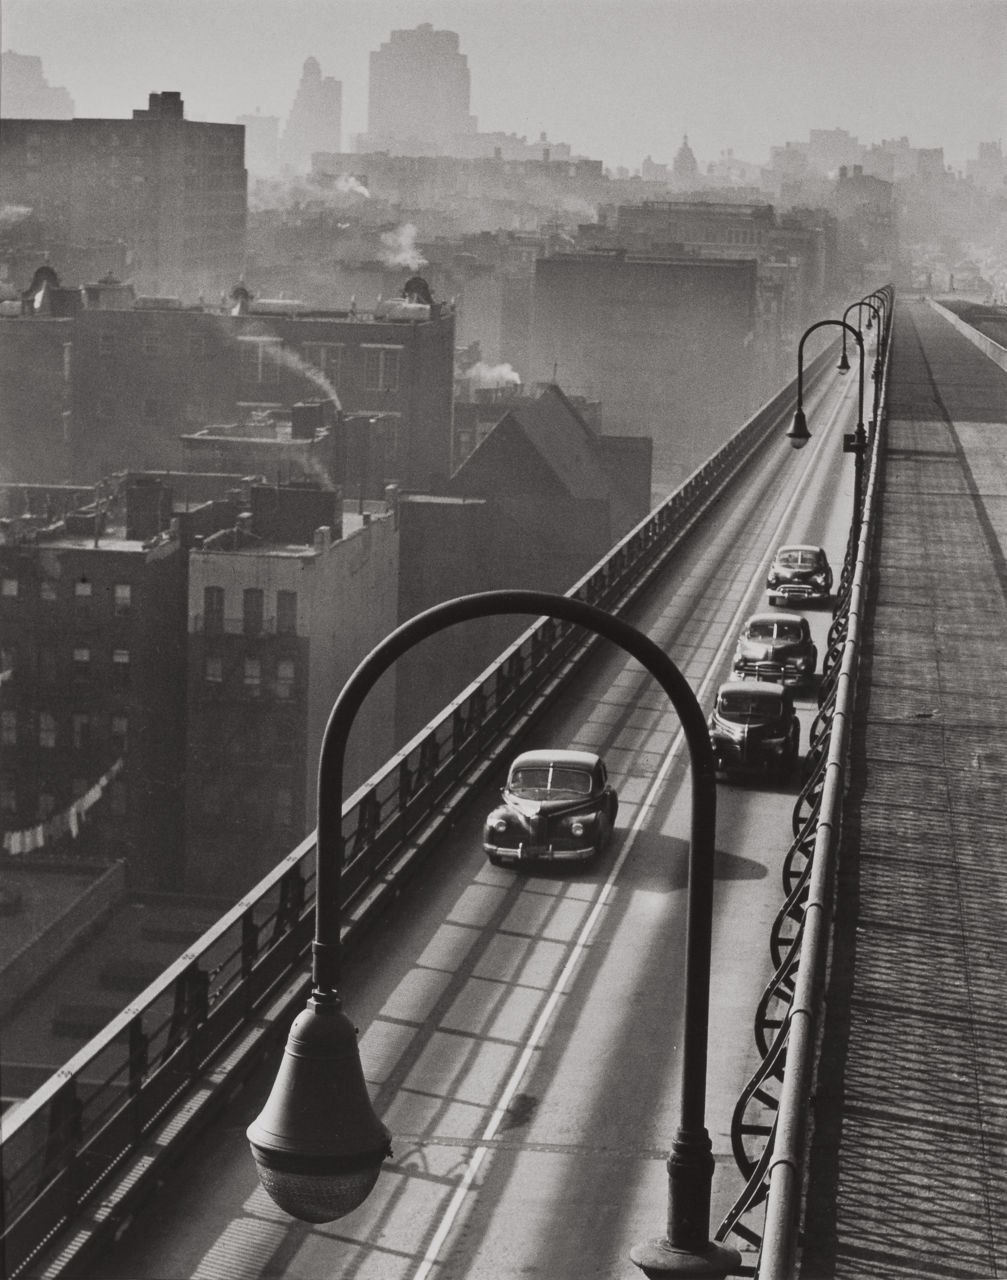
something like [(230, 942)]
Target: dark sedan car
[(557, 806), (754, 729), (776, 647), (800, 574)]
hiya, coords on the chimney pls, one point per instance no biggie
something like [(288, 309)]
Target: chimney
[(306, 419), (148, 508)]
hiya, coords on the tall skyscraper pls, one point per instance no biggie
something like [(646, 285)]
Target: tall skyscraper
[(315, 122), (418, 100)]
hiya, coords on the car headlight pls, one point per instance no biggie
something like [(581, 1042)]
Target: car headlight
[(577, 828), (499, 825)]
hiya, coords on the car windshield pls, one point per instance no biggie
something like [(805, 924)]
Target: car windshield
[(797, 559), (535, 782), (741, 705), (774, 630)]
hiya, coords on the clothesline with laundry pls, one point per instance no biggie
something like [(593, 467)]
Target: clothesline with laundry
[(28, 839)]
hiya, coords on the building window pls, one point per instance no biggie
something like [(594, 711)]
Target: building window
[(78, 786), (150, 344), (117, 799), (327, 358), (120, 666), (81, 662), (8, 796), (286, 613), (46, 729), (81, 724), (106, 345), (123, 595), (82, 589), (9, 588), (47, 590), (213, 610), (213, 670), (252, 611), (381, 368), (119, 728), (285, 672), (8, 728), (46, 805), (259, 360), (253, 673)]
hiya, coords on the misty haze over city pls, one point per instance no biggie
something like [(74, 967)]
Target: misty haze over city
[(617, 81)]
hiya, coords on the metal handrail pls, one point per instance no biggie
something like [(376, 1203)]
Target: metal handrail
[(776, 1178)]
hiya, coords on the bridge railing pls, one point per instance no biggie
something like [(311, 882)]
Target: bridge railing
[(770, 1124), (79, 1152)]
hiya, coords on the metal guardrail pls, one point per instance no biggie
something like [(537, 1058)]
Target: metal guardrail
[(79, 1153), (769, 1125)]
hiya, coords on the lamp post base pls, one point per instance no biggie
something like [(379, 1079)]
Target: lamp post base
[(658, 1258)]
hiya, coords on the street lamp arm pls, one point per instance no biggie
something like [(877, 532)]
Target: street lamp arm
[(463, 609), (798, 434), (317, 1143)]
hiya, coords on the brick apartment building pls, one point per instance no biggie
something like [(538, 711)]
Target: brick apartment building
[(99, 379), (92, 618), (168, 668), (174, 190), (282, 607)]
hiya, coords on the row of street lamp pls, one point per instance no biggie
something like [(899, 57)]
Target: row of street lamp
[(317, 1143)]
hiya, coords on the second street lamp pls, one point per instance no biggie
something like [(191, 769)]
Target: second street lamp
[(318, 1152), (855, 442)]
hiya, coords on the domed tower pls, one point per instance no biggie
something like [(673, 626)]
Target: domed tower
[(684, 168)]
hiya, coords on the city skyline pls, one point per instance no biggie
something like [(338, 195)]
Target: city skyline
[(739, 75)]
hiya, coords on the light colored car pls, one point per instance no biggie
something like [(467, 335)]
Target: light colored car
[(558, 806), (776, 647), (800, 574)]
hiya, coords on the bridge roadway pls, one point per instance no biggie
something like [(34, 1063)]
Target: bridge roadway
[(909, 1160), (519, 1031)]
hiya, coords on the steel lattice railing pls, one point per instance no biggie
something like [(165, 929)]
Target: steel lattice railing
[(768, 1125)]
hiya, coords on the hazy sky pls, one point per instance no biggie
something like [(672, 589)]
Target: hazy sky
[(617, 79)]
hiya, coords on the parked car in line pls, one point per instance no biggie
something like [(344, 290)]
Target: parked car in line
[(776, 647), (800, 574), (558, 806), (755, 729)]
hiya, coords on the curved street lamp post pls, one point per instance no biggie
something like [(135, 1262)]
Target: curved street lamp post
[(855, 442), (317, 1143), (844, 363)]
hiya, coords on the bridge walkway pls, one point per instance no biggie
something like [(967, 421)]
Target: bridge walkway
[(908, 1174)]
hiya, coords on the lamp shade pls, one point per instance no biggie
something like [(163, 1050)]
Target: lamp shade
[(317, 1144), (798, 435)]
